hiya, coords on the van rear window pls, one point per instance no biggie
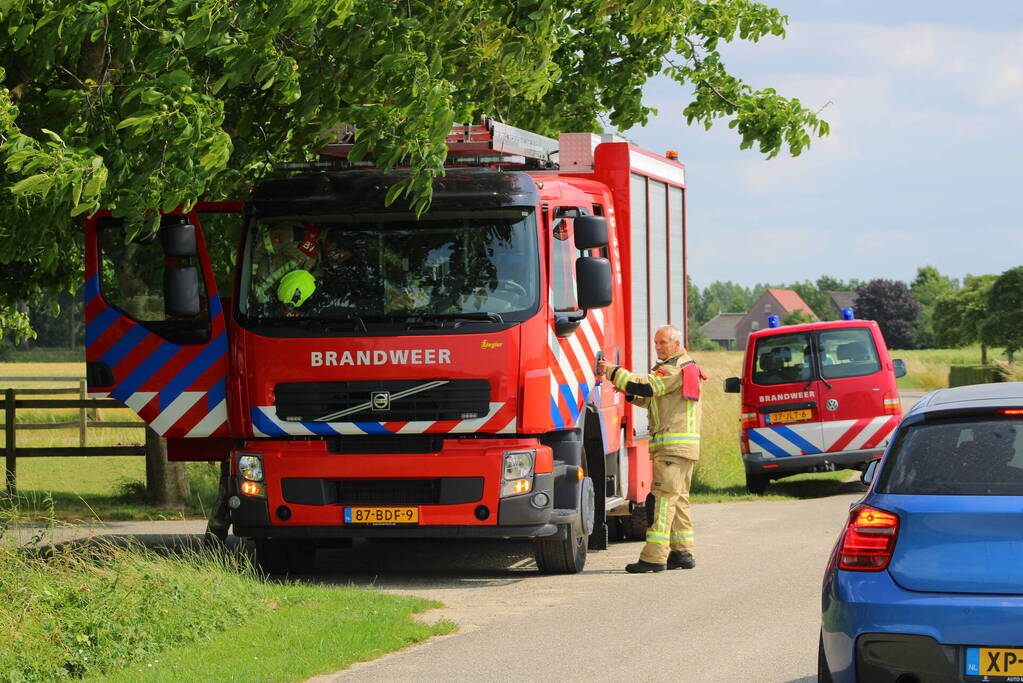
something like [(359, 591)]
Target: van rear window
[(974, 457), (848, 352), (781, 359)]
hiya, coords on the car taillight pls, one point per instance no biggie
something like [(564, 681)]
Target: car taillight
[(892, 406), (869, 539), (748, 417)]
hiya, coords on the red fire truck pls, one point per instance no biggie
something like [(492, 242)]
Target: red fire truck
[(375, 373)]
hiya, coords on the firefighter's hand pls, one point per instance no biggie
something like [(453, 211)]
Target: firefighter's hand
[(602, 366)]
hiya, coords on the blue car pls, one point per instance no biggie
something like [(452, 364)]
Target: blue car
[(925, 583)]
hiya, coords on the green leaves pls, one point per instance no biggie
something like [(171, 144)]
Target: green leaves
[(152, 104)]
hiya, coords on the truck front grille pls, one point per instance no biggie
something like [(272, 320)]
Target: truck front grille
[(382, 400)]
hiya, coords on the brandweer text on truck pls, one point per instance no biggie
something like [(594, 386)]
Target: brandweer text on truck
[(429, 376)]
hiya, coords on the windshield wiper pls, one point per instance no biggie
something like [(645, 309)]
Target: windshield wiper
[(455, 318)]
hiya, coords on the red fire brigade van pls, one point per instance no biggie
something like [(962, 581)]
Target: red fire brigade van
[(374, 373), (815, 397)]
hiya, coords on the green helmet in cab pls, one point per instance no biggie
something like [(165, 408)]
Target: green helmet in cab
[(296, 286)]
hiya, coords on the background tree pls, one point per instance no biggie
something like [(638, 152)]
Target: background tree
[(815, 298), (1003, 325), (892, 306), (797, 317), (959, 315), (928, 286), (140, 105)]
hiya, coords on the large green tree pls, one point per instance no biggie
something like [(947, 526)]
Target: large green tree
[(143, 105), (928, 286), (1004, 323), (959, 315)]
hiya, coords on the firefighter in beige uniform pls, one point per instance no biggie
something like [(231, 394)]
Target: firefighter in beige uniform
[(671, 394)]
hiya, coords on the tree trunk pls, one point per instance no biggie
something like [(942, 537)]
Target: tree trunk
[(166, 482), (983, 354)]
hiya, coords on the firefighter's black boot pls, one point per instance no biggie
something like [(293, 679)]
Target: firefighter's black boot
[(681, 559), (642, 567)]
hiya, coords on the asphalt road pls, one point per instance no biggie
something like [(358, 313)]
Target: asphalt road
[(749, 611)]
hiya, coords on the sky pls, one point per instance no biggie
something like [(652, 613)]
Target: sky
[(921, 167)]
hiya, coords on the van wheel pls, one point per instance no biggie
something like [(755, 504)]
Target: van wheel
[(757, 483)]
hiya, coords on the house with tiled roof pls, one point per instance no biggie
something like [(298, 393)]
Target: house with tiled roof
[(779, 302), (840, 300), (721, 329)]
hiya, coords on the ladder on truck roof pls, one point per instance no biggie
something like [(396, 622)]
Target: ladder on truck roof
[(488, 143)]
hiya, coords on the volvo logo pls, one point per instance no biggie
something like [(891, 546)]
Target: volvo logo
[(380, 400), (832, 404)]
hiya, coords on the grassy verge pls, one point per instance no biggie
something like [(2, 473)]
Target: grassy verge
[(124, 613)]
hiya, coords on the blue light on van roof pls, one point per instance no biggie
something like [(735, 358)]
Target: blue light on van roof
[(847, 314), (773, 321)]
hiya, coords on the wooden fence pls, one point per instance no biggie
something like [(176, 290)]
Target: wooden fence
[(86, 406)]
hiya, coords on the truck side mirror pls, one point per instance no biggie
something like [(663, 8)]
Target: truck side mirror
[(178, 240), (900, 367), (732, 385), (868, 474), (590, 232), (181, 291), (593, 282)]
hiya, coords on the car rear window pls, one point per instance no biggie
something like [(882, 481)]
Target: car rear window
[(781, 359), (975, 457), (848, 352)]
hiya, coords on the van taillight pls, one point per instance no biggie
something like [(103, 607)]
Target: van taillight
[(748, 417), (869, 539), (892, 406)]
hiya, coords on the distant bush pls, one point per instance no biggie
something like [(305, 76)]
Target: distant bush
[(960, 375)]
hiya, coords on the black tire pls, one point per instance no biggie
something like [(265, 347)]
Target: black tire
[(757, 483), (282, 556), (564, 556), (823, 671), (568, 555), (600, 538), (636, 524)]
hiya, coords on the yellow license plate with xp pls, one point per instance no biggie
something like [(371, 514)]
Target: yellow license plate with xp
[(994, 663), (789, 416), (382, 515)]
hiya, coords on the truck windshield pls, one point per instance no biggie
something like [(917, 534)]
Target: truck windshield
[(443, 268)]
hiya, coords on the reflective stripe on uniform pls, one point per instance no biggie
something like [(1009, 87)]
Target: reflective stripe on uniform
[(658, 533), (685, 536), (658, 385), (622, 378), (674, 437)]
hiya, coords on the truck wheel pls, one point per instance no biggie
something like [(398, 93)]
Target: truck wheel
[(636, 524), (281, 556), (757, 484), (568, 555)]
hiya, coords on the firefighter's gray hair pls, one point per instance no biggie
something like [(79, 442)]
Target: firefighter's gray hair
[(674, 334)]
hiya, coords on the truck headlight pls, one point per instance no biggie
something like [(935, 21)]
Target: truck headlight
[(518, 473), (250, 466)]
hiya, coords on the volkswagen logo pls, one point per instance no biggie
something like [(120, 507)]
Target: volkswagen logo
[(380, 400), (832, 404)]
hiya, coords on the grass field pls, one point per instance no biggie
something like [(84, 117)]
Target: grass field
[(109, 487), (109, 612)]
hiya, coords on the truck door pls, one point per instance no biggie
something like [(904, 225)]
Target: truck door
[(573, 348), (156, 335)]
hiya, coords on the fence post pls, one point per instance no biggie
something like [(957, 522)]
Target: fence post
[(81, 414), (11, 464)]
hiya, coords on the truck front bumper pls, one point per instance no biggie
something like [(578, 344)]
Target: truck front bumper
[(455, 491)]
